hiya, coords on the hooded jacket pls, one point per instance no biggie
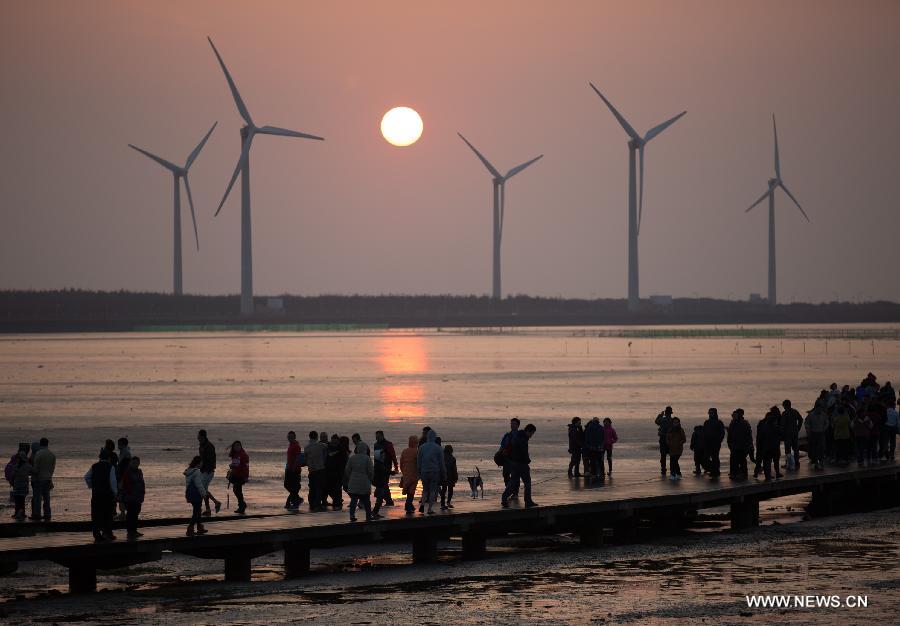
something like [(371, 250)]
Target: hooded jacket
[(594, 436), (359, 472), (430, 457), (192, 477), (675, 439)]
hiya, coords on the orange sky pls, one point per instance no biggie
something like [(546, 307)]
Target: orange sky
[(355, 215)]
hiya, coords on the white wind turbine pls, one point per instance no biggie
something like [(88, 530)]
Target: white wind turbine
[(499, 201), (248, 132), (636, 145), (178, 173), (770, 194)]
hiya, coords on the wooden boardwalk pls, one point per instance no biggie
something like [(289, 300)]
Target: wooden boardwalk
[(565, 506)]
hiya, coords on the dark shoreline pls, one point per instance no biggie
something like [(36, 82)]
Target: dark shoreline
[(87, 311)]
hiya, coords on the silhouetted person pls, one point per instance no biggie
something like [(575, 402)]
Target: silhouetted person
[(451, 479), (292, 469), (791, 422), (713, 434), (576, 442), (816, 427), (238, 473), (44, 465), (594, 440), (358, 477), (335, 461), (194, 491), (664, 422), (101, 480), (520, 469), (697, 447), (504, 453), (316, 453), (675, 440), (740, 443), (768, 442), (133, 491), (431, 470), (207, 470)]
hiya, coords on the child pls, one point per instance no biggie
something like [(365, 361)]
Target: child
[(609, 438), (450, 481), (133, 489), (697, 447), (194, 491)]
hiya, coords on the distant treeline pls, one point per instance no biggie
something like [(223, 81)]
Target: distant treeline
[(79, 310)]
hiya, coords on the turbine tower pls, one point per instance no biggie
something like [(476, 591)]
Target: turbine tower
[(177, 174), (770, 194), (636, 145), (248, 132), (499, 201)]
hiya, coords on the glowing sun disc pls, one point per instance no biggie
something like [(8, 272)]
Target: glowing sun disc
[(401, 126)]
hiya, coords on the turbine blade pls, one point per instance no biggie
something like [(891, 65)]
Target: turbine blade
[(777, 160), (187, 187), (242, 108), (641, 192), (245, 154), (284, 132), (628, 129), (166, 164), (761, 198), (521, 167), (653, 132), (487, 164), (193, 155), (781, 184)]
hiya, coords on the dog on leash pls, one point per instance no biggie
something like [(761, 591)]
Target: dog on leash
[(475, 483)]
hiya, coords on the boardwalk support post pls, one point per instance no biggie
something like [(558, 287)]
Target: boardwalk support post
[(424, 548), (296, 560), (82, 578), (237, 567), (625, 529), (474, 545), (591, 536), (745, 514)]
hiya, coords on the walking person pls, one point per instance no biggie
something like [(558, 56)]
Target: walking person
[(409, 477), (316, 454), (610, 438), (207, 471), (392, 462), (713, 435), (20, 475), (816, 425), (133, 491), (384, 459), (292, 470), (336, 457), (101, 480), (452, 477), (576, 443), (791, 422), (431, 470), (740, 443), (238, 474), (194, 493), (502, 456), (44, 466), (520, 462), (675, 440), (358, 477), (663, 423)]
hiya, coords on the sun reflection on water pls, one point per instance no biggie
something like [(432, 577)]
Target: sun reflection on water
[(402, 359)]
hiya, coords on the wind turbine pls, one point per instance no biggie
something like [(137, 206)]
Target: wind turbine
[(499, 201), (770, 194), (177, 174), (248, 132), (636, 145)]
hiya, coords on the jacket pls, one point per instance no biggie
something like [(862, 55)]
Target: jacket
[(315, 455), (359, 473), (675, 439), (101, 479), (519, 453), (292, 463), (21, 474), (594, 437), (817, 422), (44, 464), (133, 488), (239, 468), (610, 436), (193, 479), (713, 433), (452, 472), (576, 437), (697, 439), (791, 421), (207, 457), (430, 457), (335, 459), (664, 424), (840, 425), (408, 459), (740, 435), (767, 437)]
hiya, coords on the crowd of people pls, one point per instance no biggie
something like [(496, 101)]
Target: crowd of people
[(860, 421)]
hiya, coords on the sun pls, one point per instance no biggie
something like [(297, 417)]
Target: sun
[(401, 126)]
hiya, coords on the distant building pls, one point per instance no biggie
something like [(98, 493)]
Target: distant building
[(275, 305), (756, 298), (663, 301)]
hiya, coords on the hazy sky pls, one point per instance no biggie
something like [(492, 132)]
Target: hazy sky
[(353, 214)]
